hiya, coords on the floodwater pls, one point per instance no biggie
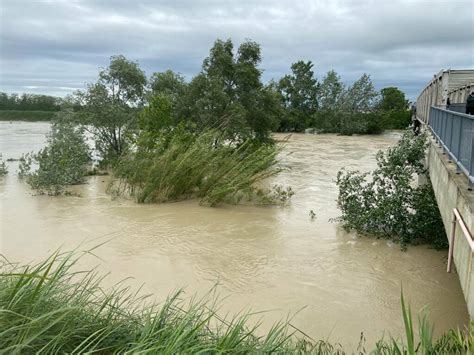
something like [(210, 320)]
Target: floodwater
[(274, 259)]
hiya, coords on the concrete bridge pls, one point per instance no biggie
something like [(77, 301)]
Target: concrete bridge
[(450, 161)]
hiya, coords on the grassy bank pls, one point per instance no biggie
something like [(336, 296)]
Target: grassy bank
[(48, 308), (31, 116)]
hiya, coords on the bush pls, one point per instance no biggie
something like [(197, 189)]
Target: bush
[(62, 162), (347, 123), (181, 165), (3, 167), (386, 204)]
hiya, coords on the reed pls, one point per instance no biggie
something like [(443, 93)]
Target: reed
[(196, 166), (48, 308), (51, 307)]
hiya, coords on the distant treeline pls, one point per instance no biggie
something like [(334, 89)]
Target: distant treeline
[(17, 115), (228, 93), (29, 102)]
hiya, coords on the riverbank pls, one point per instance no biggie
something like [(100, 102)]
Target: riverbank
[(48, 307), (29, 116)]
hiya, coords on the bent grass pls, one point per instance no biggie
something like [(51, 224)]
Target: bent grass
[(49, 308), (196, 167)]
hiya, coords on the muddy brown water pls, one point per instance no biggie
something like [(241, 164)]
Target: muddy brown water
[(274, 259)]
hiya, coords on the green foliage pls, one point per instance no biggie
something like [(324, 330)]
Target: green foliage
[(396, 119), (179, 164), (3, 167), (361, 96), (392, 99), (330, 107), (153, 120), (33, 116), (50, 308), (394, 108), (228, 94), (168, 84), (62, 162), (331, 92), (29, 102), (108, 108), (299, 94), (385, 203)]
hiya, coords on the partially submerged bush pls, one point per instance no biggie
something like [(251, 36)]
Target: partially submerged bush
[(188, 165), (3, 167), (50, 308), (386, 203), (62, 162)]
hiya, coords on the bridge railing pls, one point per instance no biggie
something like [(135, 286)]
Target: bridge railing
[(455, 132), (461, 108)]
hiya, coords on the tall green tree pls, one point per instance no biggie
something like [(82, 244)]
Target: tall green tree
[(330, 100), (361, 96), (109, 106), (359, 108), (394, 108), (229, 95), (331, 92), (168, 83), (392, 99), (299, 92)]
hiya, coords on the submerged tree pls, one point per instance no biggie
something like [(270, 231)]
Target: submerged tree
[(299, 93), (3, 167), (394, 108), (385, 203), (228, 94), (330, 98), (108, 108), (359, 106), (63, 161)]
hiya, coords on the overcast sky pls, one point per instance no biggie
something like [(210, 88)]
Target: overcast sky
[(56, 47)]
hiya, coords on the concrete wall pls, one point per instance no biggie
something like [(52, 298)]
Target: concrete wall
[(451, 192)]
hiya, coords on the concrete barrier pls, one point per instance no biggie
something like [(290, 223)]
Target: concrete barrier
[(451, 191)]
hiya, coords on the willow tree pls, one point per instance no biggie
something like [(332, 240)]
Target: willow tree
[(108, 107)]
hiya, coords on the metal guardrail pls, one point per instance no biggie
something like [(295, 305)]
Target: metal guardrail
[(461, 108), (455, 132)]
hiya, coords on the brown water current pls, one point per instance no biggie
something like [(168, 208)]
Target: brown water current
[(275, 259)]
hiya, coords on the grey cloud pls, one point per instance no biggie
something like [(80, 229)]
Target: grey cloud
[(58, 46)]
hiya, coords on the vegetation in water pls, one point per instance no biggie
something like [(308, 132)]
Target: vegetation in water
[(62, 162), (108, 108), (228, 95), (387, 203), (51, 307), (393, 107), (182, 164), (218, 125), (3, 167)]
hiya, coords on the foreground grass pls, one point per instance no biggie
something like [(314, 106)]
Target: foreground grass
[(31, 116), (49, 308)]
